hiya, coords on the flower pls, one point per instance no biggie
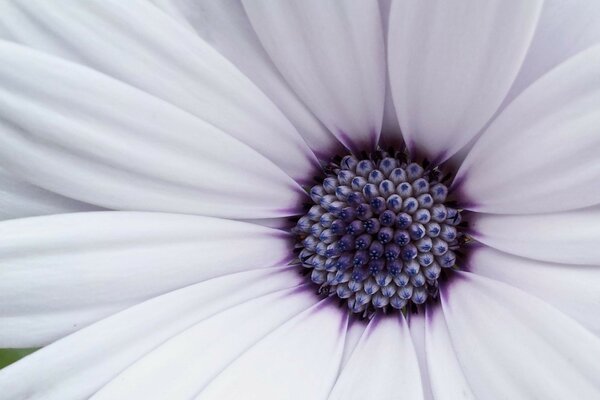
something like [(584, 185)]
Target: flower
[(173, 141)]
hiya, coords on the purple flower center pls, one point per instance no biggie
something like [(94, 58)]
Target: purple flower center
[(379, 233)]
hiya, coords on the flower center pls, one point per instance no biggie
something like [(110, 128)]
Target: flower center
[(379, 233)]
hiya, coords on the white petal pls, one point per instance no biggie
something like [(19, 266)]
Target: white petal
[(565, 28), (390, 130), (416, 324), (383, 365), (59, 273), (573, 289), (451, 66), (570, 237), (299, 360), (21, 199), (541, 154), (514, 346), (186, 363), (332, 55), (445, 372), (121, 148), (355, 331), (80, 364), (138, 44), (225, 26)]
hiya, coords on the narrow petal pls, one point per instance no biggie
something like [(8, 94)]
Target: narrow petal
[(137, 43), (355, 331), (226, 27), (80, 364), (451, 66), (541, 154), (121, 148), (332, 54), (383, 364), (21, 199), (390, 130), (300, 360), (514, 346), (564, 29), (448, 381), (570, 237), (572, 289), (416, 324), (183, 365), (59, 273)]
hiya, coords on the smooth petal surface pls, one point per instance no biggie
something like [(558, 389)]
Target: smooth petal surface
[(300, 360), (135, 42), (121, 148), (514, 346), (21, 199), (416, 325), (182, 366), (79, 365), (565, 28), (59, 273), (451, 66), (383, 365), (353, 334), (332, 54), (390, 130), (541, 154), (445, 372), (572, 289), (570, 237), (225, 26)]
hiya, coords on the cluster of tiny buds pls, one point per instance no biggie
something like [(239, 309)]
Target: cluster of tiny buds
[(379, 233)]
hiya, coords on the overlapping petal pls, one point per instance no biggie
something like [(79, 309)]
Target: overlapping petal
[(82, 134), (20, 199), (513, 345), (182, 366), (137, 43), (417, 332), (383, 365), (569, 237), (451, 66), (300, 360), (332, 54), (572, 289), (445, 372), (225, 26), (564, 29), (541, 154), (59, 273), (82, 363)]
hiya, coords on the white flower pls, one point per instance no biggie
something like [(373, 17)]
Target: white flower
[(173, 139)]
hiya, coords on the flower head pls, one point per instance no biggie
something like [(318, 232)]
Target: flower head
[(300, 199)]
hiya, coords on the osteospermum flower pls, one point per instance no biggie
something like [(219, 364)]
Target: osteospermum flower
[(300, 200)]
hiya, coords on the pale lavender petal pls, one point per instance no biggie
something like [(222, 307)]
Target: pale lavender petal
[(451, 66), (299, 360), (383, 364), (570, 237), (541, 154), (572, 289), (225, 26), (60, 273), (79, 365), (182, 366), (511, 345), (137, 43), (79, 133), (332, 54)]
